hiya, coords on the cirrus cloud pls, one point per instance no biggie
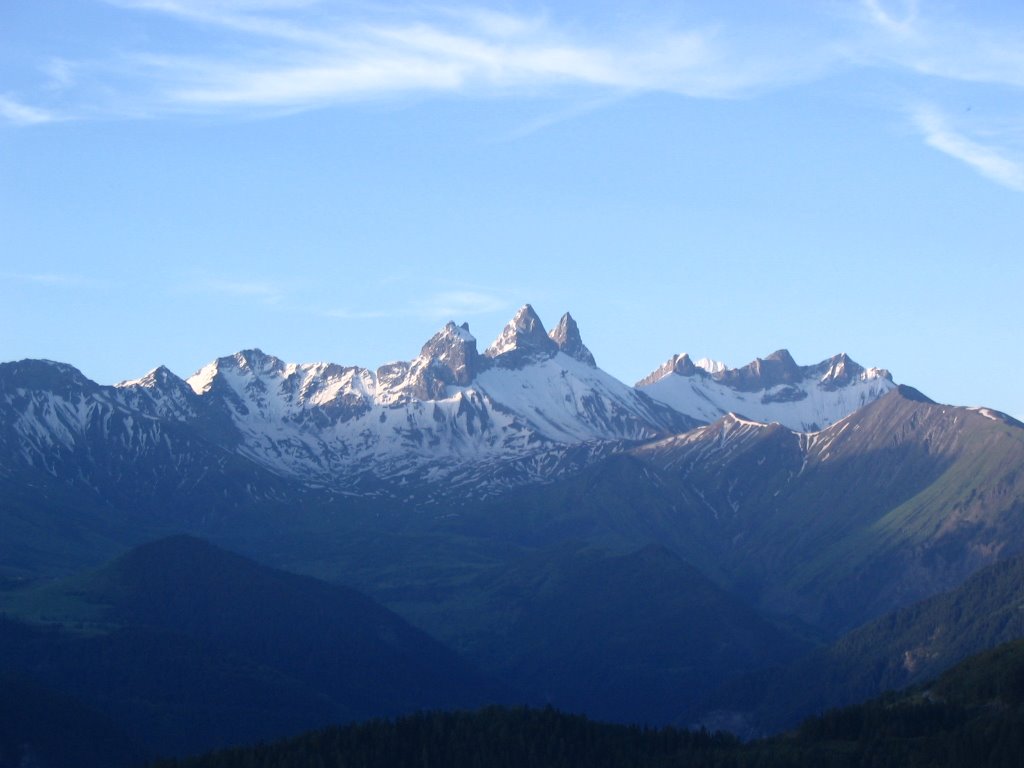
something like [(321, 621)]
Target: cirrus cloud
[(268, 57), (992, 162)]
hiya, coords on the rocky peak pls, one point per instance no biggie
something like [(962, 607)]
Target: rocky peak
[(452, 353), (449, 358), (782, 358), (159, 381), (678, 364), (254, 361), (566, 336), (840, 371), (60, 378), (159, 393), (763, 373), (249, 364), (682, 365), (522, 340), (160, 378)]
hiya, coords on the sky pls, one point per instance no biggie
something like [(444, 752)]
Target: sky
[(327, 180)]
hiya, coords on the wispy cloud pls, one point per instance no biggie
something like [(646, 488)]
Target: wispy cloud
[(286, 56), (955, 55), (375, 61), (992, 162), (302, 54), (941, 44), (259, 57), (896, 16), (16, 112)]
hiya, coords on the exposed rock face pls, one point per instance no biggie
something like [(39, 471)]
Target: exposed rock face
[(567, 336), (159, 393), (453, 355), (522, 341), (448, 358), (778, 368), (678, 364), (840, 371)]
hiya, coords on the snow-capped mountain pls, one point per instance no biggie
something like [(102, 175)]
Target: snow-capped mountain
[(448, 406), (773, 389), (533, 406)]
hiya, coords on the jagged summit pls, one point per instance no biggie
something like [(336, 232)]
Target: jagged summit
[(452, 351), (777, 368), (31, 374), (524, 339), (450, 407), (681, 365), (840, 370), (773, 388), (566, 336), (445, 411), (252, 361), (159, 393), (533, 400), (449, 357), (254, 358), (159, 377)]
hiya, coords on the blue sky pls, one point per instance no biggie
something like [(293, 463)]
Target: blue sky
[(181, 179)]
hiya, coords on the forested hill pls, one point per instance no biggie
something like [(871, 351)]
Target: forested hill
[(971, 716)]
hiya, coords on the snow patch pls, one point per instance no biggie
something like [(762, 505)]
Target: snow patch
[(709, 365)]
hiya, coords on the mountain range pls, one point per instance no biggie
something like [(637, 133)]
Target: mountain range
[(532, 398), (659, 552)]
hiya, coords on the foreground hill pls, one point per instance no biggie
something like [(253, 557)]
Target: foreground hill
[(905, 647), (635, 637), (630, 637), (971, 716), (43, 729), (187, 646)]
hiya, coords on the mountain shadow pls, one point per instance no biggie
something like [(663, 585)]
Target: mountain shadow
[(194, 647), (905, 647), (971, 716), (636, 637)]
